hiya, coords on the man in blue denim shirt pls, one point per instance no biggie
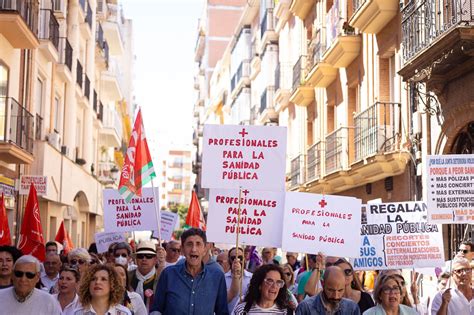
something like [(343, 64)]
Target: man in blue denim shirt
[(330, 301), (191, 287)]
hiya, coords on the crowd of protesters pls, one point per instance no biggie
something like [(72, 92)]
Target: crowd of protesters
[(192, 276)]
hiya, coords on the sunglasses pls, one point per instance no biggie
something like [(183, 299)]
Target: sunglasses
[(175, 250), (143, 256), (461, 271), (271, 282), (122, 254), (20, 274), (389, 290), (464, 251), (232, 258), (76, 261)]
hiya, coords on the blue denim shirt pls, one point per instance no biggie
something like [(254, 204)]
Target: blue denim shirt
[(314, 306), (179, 293)]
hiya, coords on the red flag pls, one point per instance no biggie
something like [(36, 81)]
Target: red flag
[(138, 168), (195, 218), (31, 240), (5, 238), (63, 237)]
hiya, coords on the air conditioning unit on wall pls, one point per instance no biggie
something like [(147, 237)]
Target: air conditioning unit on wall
[(54, 139)]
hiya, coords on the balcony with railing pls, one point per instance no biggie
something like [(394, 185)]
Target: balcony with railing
[(102, 48), (267, 27), (87, 86), (113, 29), (112, 81), (241, 77), (100, 112), (240, 107), (337, 151), (297, 172), (110, 135), (302, 94), (320, 73), (95, 103), (59, 8), (38, 127), (371, 16), (314, 159), (19, 23), (64, 67), (49, 33), (16, 132), (267, 111), (301, 8), (377, 129), (434, 36), (283, 85), (79, 74)]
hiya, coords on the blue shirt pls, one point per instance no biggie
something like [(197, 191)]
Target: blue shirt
[(179, 293), (314, 306)]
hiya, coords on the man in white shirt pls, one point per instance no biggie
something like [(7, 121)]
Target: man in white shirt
[(233, 278), (52, 264), (458, 299), (23, 298), (173, 252)]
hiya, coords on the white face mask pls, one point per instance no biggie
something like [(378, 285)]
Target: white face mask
[(121, 260)]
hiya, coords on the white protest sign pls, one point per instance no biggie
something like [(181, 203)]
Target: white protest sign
[(321, 223), (261, 215), (397, 236), (167, 226), (40, 182), (450, 186), (137, 215), (251, 157), (104, 239)]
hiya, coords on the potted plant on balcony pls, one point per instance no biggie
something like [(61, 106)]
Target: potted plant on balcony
[(348, 29)]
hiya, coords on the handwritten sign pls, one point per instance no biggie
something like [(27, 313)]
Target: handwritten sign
[(40, 182), (450, 187), (261, 215), (321, 223), (104, 239), (252, 157), (167, 226), (396, 235), (137, 215)]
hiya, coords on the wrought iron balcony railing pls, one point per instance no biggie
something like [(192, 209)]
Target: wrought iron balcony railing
[(337, 150), (79, 75), (426, 20), (266, 99), (38, 127), (95, 101), (49, 27), (242, 71), (65, 52), (16, 124), (87, 86), (298, 68), (28, 10), (377, 129), (316, 49), (314, 159), (100, 113), (297, 175), (356, 4)]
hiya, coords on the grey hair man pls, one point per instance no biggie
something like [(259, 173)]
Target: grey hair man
[(23, 297)]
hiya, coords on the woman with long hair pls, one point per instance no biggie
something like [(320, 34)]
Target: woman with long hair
[(290, 284), (67, 287), (131, 300), (101, 291), (267, 293), (388, 295)]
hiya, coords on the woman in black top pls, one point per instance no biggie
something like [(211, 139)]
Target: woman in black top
[(353, 289)]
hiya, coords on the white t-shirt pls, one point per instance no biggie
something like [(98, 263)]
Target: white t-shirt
[(139, 307), (113, 310), (39, 303), (457, 305), (71, 307), (257, 310)]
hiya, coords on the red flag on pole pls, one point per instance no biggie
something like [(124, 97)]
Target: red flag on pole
[(31, 240), (138, 168), (63, 237), (5, 238), (195, 218)]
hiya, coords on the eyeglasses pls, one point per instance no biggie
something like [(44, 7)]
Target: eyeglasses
[(461, 271), (122, 254), (348, 272), (464, 251), (232, 258), (76, 261), (143, 256), (271, 282), (20, 274), (175, 250), (389, 290)]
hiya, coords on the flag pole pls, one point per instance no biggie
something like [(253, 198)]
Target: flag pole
[(237, 239), (157, 212)]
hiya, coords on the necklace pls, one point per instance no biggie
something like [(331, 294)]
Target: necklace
[(22, 299)]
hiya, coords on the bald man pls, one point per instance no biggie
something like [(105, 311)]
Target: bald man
[(330, 300)]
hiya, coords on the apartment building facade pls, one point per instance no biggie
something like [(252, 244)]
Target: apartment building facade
[(60, 63)]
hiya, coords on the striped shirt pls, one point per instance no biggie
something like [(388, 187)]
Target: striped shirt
[(255, 309)]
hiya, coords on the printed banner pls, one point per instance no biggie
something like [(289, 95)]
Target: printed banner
[(450, 186), (396, 235), (251, 157), (41, 184), (167, 226), (261, 215), (321, 223), (137, 215), (104, 239)]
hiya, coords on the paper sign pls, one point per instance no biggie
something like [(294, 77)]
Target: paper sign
[(251, 157), (40, 182), (167, 226), (261, 215), (397, 236), (450, 188), (138, 215), (321, 223), (104, 239)]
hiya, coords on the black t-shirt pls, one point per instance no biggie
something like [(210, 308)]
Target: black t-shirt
[(365, 302)]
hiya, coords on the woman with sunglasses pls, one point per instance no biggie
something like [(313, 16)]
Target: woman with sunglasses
[(267, 293), (290, 284), (100, 292), (67, 286), (79, 258), (131, 300), (387, 294)]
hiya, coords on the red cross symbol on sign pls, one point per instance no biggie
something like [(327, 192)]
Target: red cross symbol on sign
[(243, 132), (323, 203), (245, 192)]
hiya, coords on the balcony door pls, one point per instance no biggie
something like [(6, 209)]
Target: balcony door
[(3, 97)]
